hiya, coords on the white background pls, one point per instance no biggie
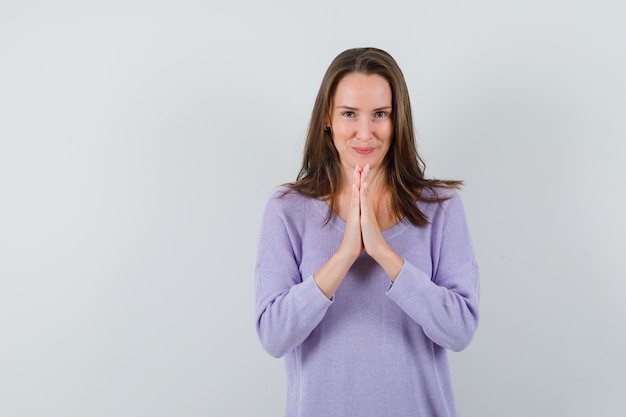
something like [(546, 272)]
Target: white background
[(140, 140)]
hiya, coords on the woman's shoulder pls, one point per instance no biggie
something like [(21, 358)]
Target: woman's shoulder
[(439, 201), (286, 199), (439, 193), (287, 193)]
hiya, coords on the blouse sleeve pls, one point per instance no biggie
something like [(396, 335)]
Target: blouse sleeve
[(288, 308), (446, 304)]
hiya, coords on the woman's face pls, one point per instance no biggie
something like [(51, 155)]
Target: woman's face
[(361, 120)]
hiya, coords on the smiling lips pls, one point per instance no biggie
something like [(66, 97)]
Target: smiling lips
[(363, 151)]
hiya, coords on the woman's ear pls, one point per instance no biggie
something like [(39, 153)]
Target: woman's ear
[(327, 125)]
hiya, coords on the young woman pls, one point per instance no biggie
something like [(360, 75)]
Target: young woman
[(365, 273)]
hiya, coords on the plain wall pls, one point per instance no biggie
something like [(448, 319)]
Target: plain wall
[(139, 141)]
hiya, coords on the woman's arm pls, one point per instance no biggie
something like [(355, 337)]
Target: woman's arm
[(447, 310), (289, 308), (446, 303)]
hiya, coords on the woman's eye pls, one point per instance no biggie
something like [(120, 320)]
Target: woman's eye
[(348, 113), (380, 114)]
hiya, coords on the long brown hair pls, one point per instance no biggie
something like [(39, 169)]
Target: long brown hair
[(320, 173)]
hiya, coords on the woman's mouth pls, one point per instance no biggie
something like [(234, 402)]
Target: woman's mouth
[(363, 151)]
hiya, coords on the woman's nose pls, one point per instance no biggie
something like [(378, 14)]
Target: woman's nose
[(364, 129)]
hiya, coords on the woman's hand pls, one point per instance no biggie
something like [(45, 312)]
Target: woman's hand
[(362, 232), (373, 240), (352, 242), (331, 274)]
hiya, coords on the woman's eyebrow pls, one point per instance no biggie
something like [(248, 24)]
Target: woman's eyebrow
[(354, 108)]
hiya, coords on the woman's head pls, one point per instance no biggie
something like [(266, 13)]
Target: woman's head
[(320, 154), (361, 122), (321, 173)]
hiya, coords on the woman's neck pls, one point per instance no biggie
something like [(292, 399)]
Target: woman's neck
[(378, 192), (375, 180)]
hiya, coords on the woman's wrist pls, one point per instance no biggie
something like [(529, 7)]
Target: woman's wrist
[(390, 261)]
